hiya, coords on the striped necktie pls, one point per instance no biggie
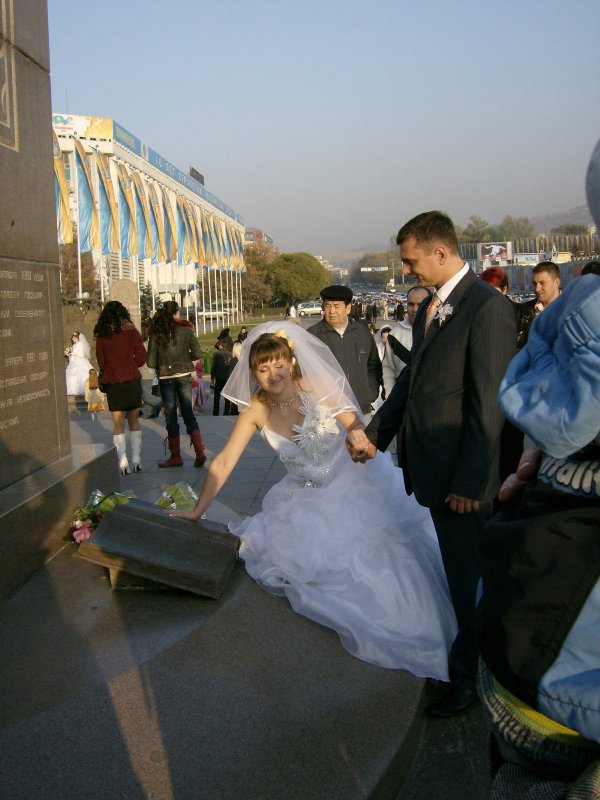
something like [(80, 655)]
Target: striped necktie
[(433, 306)]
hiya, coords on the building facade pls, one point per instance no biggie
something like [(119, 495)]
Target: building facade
[(144, 219)]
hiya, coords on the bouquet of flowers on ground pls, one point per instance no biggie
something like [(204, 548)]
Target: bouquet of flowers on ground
[(87, 518), (179, 495)]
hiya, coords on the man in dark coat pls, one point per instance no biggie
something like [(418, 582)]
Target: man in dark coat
[(545, 279), (219, 374), (444, 407), (351, 343)]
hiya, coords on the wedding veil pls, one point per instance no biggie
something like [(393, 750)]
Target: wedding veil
[(85, 344), (322, 376)]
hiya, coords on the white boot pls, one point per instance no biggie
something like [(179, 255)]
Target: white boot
[(136, 450), (120, 443)]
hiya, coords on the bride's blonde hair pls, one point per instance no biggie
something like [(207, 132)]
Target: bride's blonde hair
[(270, 347)]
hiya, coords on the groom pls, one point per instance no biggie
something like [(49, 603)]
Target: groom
[(444, 408)]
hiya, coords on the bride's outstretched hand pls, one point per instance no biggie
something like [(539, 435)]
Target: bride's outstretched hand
[(183, 514)]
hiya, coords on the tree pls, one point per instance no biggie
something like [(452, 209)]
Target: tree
[(570, 229), (258, 256), (478, 230), (69, 272), (513, 228), (257, 287), (146, 301), (297, 276), (255, 291)]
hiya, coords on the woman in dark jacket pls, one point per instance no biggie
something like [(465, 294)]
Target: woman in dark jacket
[(120, 353), (172, 350), (222, 364), (224, 340)]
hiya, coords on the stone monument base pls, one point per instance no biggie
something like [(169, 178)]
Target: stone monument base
[(36, 512), (139, 539)]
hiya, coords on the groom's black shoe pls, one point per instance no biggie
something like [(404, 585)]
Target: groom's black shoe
[(456, 701)]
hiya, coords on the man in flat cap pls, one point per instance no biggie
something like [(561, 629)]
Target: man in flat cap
[(352, 344)]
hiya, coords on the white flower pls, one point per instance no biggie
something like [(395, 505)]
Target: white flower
[(312, 435), (444, 311)]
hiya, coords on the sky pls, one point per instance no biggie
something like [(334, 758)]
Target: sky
[(328, 124)]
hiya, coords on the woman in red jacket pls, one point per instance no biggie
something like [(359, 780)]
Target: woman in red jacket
[(120, 352)]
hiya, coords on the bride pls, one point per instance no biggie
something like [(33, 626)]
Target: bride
[(342, 541), (78, 370)]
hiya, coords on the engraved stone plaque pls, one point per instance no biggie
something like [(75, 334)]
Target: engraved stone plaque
[(31, 369), (9, 132)]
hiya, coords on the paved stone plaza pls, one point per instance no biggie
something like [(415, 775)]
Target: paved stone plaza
[(169, 695)]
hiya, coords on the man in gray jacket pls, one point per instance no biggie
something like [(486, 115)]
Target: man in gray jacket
[(352, 344)]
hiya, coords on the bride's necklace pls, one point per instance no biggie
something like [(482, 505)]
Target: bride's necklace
[(283, 403)]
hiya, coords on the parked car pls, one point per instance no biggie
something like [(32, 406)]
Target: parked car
[(310, 309), (205, 311)]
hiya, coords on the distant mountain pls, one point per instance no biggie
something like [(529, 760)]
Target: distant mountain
[(579, 216), (346, 258)]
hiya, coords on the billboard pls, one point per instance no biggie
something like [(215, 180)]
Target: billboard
[(83, 127), (527, 259), (494, 254)]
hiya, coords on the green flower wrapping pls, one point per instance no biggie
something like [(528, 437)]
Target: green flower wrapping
[(180, 496)]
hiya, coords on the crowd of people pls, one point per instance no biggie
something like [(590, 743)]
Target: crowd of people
[(470, 561), (157, 372)]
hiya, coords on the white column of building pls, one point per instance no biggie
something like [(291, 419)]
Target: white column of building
[(236, 316), (219, 310), (229, 298), (210, 302), (203, 301), (222, 303)]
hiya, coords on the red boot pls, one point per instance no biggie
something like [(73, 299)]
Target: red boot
[(175, 459), (199, 448)]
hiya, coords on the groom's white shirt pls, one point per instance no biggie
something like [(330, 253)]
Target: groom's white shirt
[(444, 291)]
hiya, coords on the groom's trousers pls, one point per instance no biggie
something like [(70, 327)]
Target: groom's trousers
[(459, 536)]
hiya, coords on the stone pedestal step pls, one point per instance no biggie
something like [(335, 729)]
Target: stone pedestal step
[(140, 539)]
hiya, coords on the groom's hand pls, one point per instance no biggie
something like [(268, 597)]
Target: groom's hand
[(462, 505), (360, 446)]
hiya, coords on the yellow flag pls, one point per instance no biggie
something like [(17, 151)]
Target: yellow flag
[(170, 227), (111, 231), (157, 213), (89, 226), (63, 217), (138, 186), (185, 256), (210, 245), (201, 250), (191, 219), (129, 243)]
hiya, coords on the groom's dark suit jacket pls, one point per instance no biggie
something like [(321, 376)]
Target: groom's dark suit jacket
[(445, 401)]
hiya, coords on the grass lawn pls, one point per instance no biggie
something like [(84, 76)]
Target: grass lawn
[(208, 339)]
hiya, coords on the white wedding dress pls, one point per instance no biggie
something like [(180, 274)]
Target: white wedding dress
[(351, 550), (78, 370)]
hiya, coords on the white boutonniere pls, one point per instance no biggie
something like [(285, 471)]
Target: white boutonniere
[(443, 312)]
